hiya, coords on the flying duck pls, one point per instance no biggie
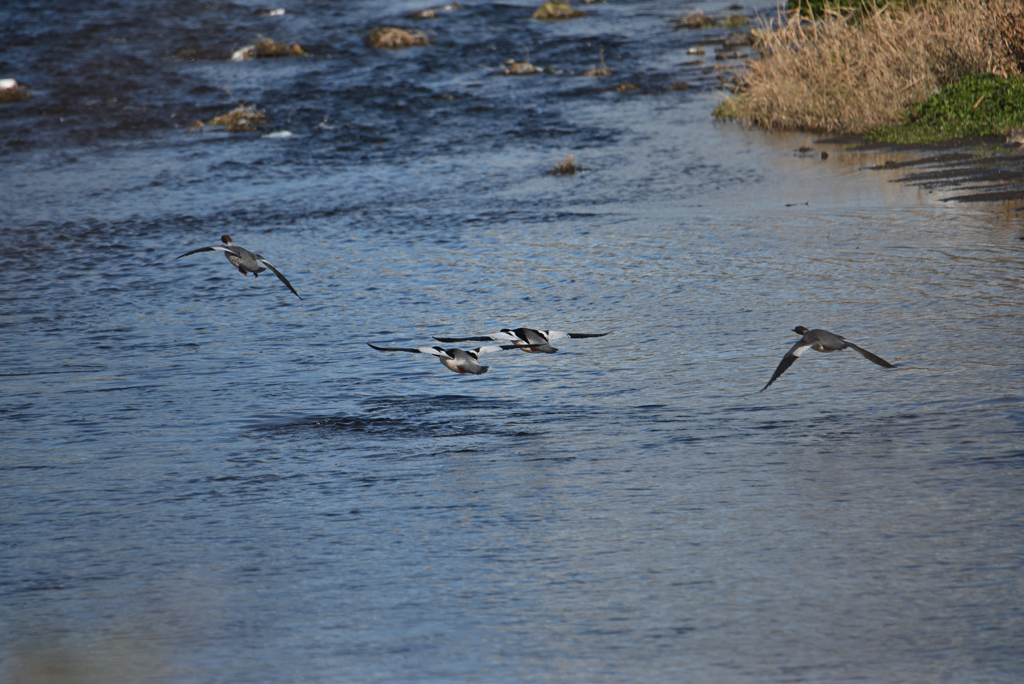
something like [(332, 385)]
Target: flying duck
[(823, 341), (456, 360), (526, 339), (245, 261)]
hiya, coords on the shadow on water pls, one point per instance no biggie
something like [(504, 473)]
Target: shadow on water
[(430, 425)]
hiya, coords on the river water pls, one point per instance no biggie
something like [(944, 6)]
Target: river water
[(205, 479)]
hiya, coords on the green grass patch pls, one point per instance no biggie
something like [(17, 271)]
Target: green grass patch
[(975, 106), (727, 109)]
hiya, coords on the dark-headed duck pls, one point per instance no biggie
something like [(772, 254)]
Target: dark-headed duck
[(823, 341), (245, 261)]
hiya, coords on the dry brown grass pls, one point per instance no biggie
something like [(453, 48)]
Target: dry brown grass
[(566, 167), (557, 9), (839, 73), (393, 37)]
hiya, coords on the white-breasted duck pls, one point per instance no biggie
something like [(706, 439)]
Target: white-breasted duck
[(245, 261), (456, 360), (526, 339), (823, 341)]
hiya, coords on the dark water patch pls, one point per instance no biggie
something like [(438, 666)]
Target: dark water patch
[(774, 424), (1011, 459), (90, 369)]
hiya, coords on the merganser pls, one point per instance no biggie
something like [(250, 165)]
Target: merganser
[(823, 341), (456, 360), (526, 339), (245, 261)]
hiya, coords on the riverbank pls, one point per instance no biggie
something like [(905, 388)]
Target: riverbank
[(939, 78), (854, 72)]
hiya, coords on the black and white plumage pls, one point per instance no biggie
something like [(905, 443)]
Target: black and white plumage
[(823, 341), (526, 339), (456, 360), (245, 261)]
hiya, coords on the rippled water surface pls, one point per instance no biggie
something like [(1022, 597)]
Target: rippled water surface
[(206, 479)]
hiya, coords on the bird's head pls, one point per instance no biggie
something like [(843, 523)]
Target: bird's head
[(799, 330), (226, 239)]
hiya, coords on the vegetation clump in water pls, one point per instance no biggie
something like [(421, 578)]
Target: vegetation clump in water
[(12, 91), (514, 68), (432, 12), (244, 117), (393, 37), (566, 167), (695, 20), (736, 21), (975, 106), (601, 69), (557, 9), (524, 68), (265, 47), (698, 20)]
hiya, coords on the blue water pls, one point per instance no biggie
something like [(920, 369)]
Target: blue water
[(205, 479)]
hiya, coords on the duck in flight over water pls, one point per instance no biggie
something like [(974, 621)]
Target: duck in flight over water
[(526, 339), (456, 360), (245, 261), (823, 341)]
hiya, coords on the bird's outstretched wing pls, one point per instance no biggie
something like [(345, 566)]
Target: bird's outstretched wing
[(214, 248), (869, 356), (791, 356), (416, 350), (278, 274), (502, 347), (556, 335), (478, 338)]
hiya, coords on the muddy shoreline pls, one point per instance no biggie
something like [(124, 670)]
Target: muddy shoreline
[(971, 169)]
